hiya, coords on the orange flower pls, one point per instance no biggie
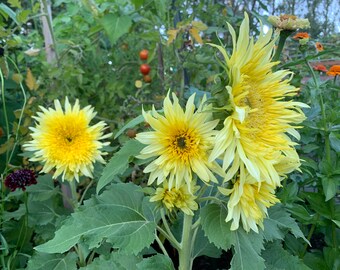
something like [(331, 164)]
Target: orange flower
[(320, 67), (334, 70), (318, 46), (301, 35)]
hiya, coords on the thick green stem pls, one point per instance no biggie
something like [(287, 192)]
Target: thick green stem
[(185, 251), (74, 194), (284, 34)]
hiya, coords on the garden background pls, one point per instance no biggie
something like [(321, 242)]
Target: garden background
[(90, 50)]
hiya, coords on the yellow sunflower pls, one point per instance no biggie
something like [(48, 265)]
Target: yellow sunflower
[(248, 202), (177, 198), (255, 132), (180, 143), (65, 141)]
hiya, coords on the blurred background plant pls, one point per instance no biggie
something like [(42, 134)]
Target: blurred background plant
[(90, 50)]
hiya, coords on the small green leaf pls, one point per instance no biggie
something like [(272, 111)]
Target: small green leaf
[(8, 11), (23, 16), (115, 26), (247, 248), (278, 258), (156, 262), (337, 222), (119, 162), (215, 228), (330, 187), (43, 261), (334, 139), (134, 122), (14, 3)]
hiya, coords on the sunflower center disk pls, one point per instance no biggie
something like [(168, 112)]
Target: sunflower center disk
[(184, 146)]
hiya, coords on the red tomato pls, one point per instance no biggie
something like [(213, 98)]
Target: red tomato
[(143, 54), (144, 69)]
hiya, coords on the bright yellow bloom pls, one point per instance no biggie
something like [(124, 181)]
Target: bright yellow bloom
[(288, 22), (255, 132), (181, 143), (177, 198), (248, 202), (65, 141)]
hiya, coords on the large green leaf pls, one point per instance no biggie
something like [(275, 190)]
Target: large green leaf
[(116, 261), (43, 261), (157, 262), (247, 249), (116, 216), (204, 247), (115, 26), (279, 222), (215, 228), (276, 258), (119, 162), (44, 189)]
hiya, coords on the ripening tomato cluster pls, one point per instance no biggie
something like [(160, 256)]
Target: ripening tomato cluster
[(145, 68)]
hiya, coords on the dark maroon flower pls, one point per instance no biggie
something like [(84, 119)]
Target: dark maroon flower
[(20, 179)]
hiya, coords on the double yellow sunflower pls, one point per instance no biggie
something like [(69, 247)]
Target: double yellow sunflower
[(65, 142)]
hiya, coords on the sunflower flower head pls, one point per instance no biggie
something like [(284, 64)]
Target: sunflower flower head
[(64, 140), (181, 198), (262, 114), (180, 142), (288, 22), (248, 203), (334, 70)]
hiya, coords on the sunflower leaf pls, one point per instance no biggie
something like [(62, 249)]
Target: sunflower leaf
[(42, 261), (278, 258), (119, 162), (156, 262), (117, 216), (247, 248), (279, 222), (215, 228)]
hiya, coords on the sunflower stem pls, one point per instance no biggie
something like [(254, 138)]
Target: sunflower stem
[(284, 34), (185, 251), (74, 194)]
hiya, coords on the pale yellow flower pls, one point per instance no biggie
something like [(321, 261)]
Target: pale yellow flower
[(65, 141), (248, 202), (288, 22), (261, 114), (180, 143), (177, 198)]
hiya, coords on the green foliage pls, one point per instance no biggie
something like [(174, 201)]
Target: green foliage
[(214, 225), (119, 162), (279, 223), (247, 247), (41, 261), (277, 258), (115, 216), (155, 263)]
